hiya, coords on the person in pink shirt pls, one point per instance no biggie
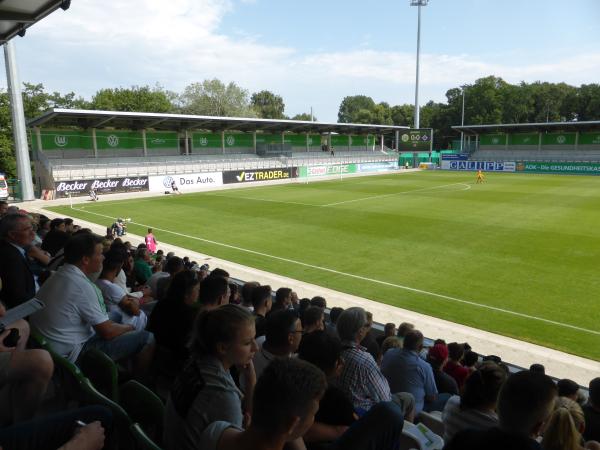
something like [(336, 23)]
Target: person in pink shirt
[(151, 241)]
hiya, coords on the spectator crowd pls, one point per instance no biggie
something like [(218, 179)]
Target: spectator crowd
[(243, 366)]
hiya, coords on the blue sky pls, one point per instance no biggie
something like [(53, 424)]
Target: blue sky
[(312, 53)]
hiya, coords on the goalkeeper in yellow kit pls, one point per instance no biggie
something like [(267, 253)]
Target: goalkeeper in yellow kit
[(480, 177)]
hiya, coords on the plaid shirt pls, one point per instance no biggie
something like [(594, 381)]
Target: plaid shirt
[(361, 378)]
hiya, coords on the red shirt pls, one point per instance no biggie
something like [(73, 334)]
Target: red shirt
[(456, 371)]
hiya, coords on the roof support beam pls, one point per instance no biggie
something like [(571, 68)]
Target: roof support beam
[(102, 122), (18, 17), (156, 122)]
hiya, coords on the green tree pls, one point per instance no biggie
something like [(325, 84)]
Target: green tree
[(268, 105), (8, 164), (552, 102), (588, 102), (517, 103), (382, 114), (351, 107), (403, 115), (36, 100), (363, 116), (304, 116), (214, 98), (136, 98)]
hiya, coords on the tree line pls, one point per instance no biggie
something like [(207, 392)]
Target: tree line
[(488, 100)]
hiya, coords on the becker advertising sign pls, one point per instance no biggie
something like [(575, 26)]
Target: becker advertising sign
[(100, 186), (249, 176)]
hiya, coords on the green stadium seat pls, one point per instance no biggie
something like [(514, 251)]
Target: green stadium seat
[(141, 440), (102, 372), (144, 407), (121, 420), (67, 376)]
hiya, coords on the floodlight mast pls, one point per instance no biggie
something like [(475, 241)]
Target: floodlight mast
[(418, 3)]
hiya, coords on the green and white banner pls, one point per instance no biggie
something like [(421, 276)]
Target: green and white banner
[(324, 170)]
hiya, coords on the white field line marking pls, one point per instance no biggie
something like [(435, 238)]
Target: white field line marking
[(262, 200), (358, 277), (466, 188), (394, 193)]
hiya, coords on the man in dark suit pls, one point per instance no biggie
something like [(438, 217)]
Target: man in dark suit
[(18, 283)]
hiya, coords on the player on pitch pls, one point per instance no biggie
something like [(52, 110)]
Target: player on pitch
[(480, 177)]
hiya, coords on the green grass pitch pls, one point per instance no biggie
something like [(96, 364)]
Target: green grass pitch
[(518, 255)]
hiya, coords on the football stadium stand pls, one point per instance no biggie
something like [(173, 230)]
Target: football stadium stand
[(559, 141), (79, 144)]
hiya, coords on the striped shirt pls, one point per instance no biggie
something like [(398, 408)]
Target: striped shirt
[(456, 419), (361, 379)]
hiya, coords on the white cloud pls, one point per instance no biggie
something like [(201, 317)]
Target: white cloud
[(120, 43)]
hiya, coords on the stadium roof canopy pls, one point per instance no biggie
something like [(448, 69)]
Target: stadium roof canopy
[(18, 15), (525, 127), (82, 118)]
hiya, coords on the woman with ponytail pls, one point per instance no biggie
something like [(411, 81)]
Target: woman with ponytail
[(565, 427), (204, 392)]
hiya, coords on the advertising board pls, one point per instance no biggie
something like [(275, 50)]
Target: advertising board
[(487, 166), (77, 188), (189, 181), (383, 166), (454, 156), (559, 167), (249, 176), (324, 170)]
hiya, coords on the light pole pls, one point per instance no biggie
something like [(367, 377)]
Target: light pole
[(462, 120), (418, 3)]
